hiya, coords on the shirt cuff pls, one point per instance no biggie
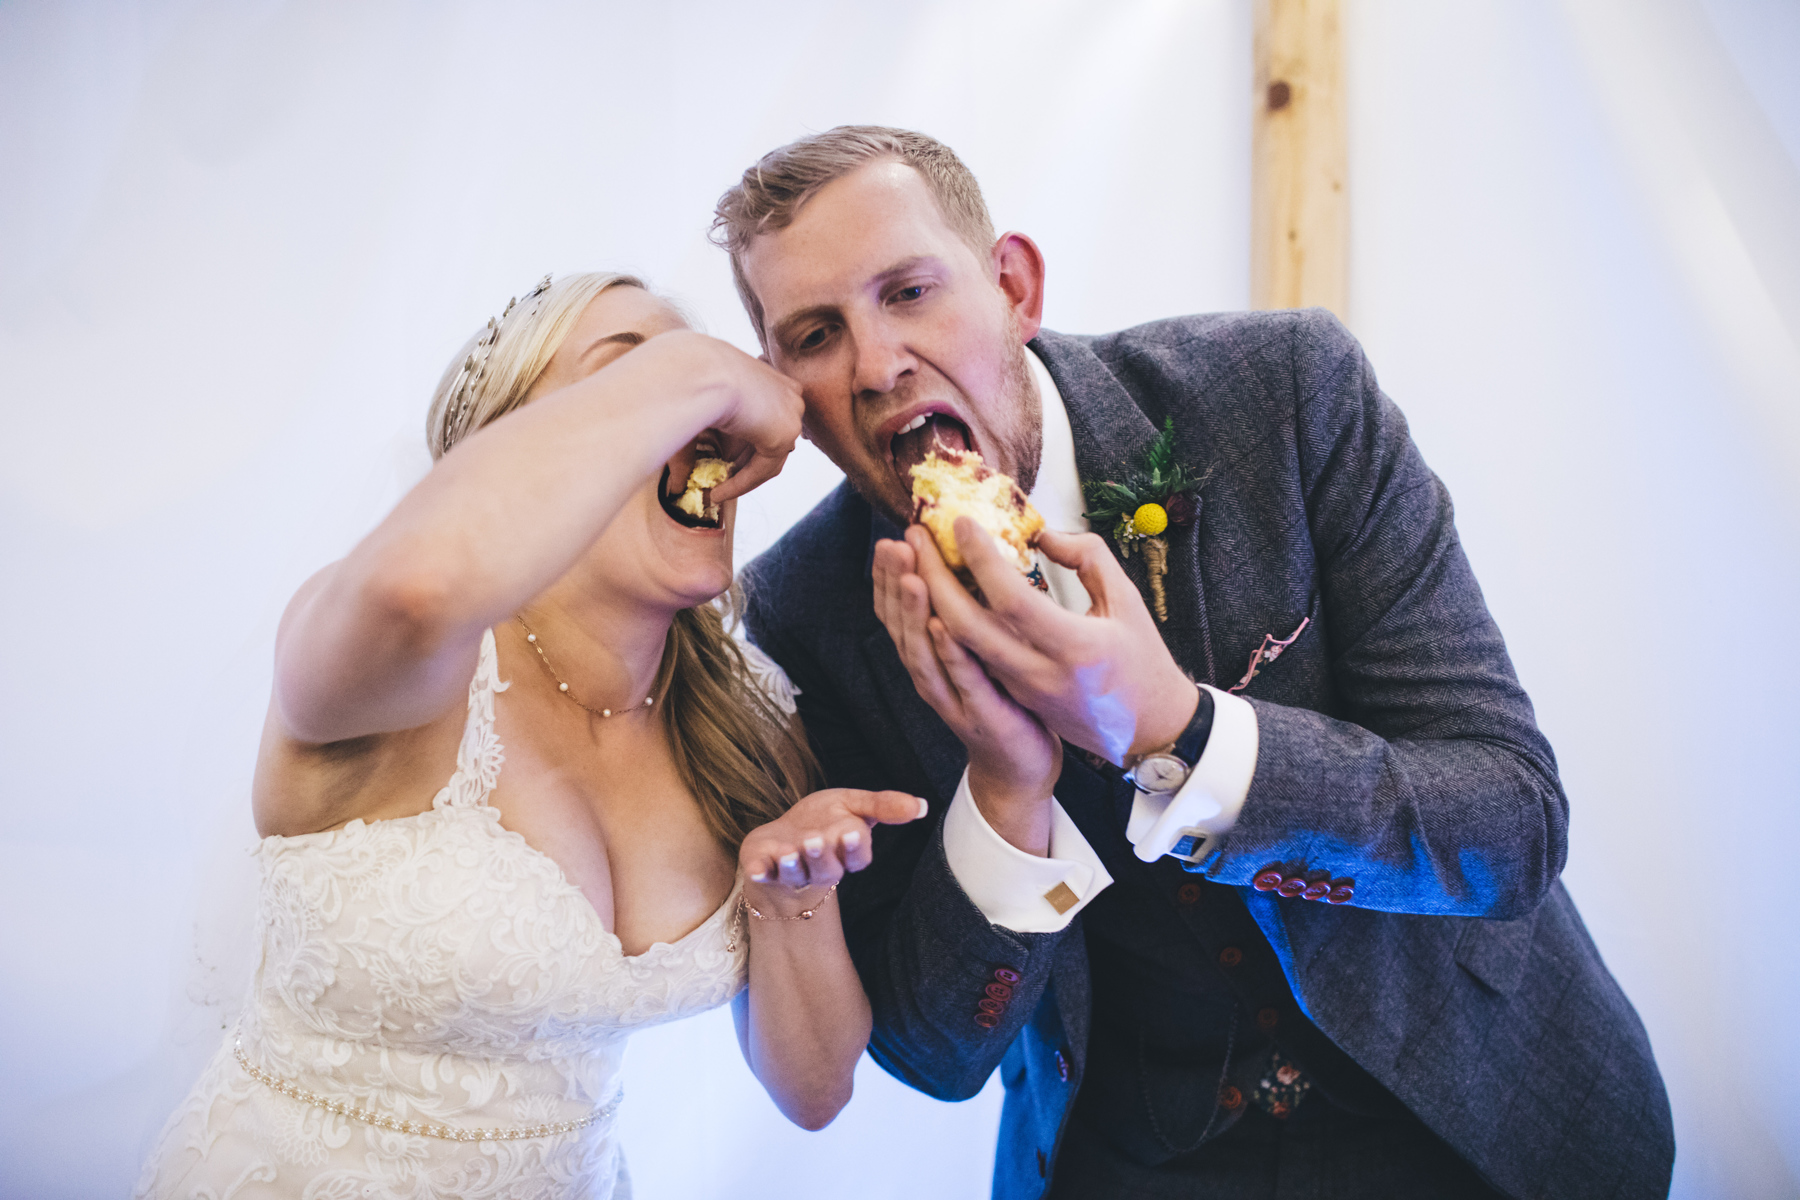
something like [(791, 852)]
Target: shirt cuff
[(1013, 889), (1206, 806)]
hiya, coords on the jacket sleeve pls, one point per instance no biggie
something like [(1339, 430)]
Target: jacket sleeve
[(948, 989), (1433, 788)]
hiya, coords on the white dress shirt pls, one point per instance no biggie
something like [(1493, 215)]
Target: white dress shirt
[(1028, 894)]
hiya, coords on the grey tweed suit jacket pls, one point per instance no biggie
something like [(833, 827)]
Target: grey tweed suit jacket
[(1397, 748)]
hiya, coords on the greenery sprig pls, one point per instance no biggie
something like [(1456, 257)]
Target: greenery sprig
[(1158, 495), (1140, 510)]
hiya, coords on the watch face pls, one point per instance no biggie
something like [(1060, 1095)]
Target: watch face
[(1161, 773)]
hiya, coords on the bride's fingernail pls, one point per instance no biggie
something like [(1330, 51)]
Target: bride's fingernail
[(853, 839), (760, 877), (815, 846), (789, 861), (923, 807)]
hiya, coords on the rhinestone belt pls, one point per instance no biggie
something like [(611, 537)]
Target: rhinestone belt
[(366, 1116)]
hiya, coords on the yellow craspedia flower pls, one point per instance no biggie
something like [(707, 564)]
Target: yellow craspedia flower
[(1150, 519)]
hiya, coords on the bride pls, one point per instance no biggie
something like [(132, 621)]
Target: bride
[(449, 970)]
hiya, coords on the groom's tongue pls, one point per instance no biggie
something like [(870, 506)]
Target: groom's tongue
[(911, 448)]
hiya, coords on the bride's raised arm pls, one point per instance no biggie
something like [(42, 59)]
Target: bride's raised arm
[(385, 639)]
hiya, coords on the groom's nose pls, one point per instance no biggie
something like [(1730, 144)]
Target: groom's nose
[(882, 358)]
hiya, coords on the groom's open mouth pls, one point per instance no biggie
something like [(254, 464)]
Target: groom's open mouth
[(685, 490), (914, 436)]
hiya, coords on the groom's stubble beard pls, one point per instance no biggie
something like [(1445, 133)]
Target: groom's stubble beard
[(1013, 441)]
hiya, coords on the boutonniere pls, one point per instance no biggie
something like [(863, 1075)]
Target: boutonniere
[(1141, 510)]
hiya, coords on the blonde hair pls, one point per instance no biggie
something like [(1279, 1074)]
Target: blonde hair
[(770, 194), (743, 760), (523, 346)]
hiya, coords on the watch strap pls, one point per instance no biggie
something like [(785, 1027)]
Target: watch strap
[(1192, 742)]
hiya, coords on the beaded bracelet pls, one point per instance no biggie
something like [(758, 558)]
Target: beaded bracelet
[(805, 914)]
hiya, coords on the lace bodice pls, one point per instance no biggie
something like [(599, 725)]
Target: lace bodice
[(432, 972)]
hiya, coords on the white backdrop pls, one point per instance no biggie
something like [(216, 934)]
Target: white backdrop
[(239, 240)]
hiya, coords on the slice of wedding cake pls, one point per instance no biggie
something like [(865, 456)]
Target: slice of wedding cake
[(953, 483)]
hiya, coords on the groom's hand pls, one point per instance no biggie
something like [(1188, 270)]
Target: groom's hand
[(1104, 681), (1013, 760)]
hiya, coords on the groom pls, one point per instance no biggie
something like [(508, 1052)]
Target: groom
[(1296, 930)]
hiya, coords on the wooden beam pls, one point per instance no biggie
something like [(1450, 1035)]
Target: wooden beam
[(1300, 216)]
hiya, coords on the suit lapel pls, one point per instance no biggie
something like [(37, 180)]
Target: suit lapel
[(1110, 430), (940, 755), (1111, 434)]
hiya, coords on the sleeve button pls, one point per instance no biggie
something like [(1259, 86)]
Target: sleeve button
[(998, 991), (1318, 889), (1267, 879), (1291, 887), (1006, 975), (1342, 891)]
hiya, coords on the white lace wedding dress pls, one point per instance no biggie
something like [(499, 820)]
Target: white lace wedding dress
[(437, 1012)]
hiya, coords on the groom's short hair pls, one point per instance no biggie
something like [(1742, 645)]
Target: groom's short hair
[(771, 192)]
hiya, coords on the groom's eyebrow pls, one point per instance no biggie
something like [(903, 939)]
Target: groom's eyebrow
[(905, 266)]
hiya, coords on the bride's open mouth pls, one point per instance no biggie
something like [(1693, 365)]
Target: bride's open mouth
[(690, 504)]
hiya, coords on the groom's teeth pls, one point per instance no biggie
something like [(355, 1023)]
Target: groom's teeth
[(913, 424)]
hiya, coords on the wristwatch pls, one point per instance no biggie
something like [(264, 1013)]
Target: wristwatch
[(1164, 771)]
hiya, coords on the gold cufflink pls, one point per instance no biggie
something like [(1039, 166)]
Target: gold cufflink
[(1061, 898)]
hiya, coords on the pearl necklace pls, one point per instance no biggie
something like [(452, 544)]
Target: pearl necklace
[(562, 687)]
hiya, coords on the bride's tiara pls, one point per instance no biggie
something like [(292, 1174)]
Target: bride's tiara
[(474, 367)]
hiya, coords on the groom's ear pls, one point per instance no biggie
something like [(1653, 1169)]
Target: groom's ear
[(1018, 267)]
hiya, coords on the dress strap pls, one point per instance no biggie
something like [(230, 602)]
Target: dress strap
[(479, 755)]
